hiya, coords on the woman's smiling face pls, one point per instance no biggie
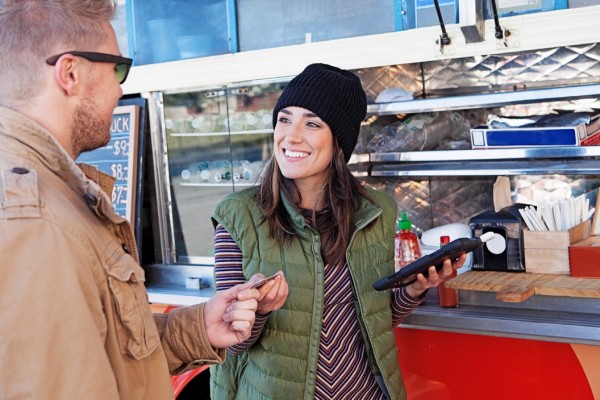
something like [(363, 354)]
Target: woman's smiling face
[(303, 146)]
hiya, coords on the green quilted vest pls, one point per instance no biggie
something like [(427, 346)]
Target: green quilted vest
[(282, 364)]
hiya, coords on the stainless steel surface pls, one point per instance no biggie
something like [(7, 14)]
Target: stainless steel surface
[(164, 210), (174, 297), (491, 154), (471, 20), (543, 67), (224, 133), (407, 77), (485, 100), (557, 319), (541, 160), (174, 275), (488, 168), (166, 283), (195, 260)]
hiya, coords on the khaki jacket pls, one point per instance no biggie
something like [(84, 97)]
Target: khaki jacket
[(75, 320)]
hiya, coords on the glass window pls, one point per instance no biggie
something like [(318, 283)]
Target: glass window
[(180, 29), (274, 23), (217, 142), (119, 24)]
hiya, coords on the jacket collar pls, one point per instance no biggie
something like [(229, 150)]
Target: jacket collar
[(366, 213), (43, 147)]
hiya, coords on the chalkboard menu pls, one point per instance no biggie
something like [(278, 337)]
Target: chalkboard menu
[(119, 158)]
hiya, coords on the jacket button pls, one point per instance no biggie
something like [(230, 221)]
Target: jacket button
[(90, 199), (20, 170)]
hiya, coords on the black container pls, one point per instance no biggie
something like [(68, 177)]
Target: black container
[(507, 223)]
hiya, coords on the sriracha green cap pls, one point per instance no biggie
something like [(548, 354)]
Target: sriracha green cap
[(404, 223)]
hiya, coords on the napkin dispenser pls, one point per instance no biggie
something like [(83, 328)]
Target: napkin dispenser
[(509, 225)]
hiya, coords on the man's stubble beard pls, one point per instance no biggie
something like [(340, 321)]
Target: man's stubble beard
[(89, 130)]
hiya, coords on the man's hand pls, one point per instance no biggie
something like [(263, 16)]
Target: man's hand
[(229, 315)]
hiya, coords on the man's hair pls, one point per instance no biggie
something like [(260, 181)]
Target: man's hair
[(33, 30)]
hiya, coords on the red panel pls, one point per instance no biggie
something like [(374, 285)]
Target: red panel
[(440, 365)]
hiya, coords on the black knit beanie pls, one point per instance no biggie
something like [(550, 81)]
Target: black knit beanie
[(335, 95)]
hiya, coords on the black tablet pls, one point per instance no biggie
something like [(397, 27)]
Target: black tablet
[(452, 251)]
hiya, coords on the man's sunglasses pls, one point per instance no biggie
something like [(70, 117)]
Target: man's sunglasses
[(123, 64)]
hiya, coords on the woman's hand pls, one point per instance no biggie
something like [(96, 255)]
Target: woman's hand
[(272, 296), (435, 277)]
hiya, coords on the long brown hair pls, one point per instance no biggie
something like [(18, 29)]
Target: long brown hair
[(342, 198)]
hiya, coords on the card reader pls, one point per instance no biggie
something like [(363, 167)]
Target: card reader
[(450, 251)]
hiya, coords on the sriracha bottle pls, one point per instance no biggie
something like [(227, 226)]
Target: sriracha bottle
[(447, 297), (407, 243)]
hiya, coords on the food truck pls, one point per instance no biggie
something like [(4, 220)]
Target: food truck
[(205, 100)]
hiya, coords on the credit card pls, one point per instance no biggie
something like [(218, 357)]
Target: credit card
[(264, 280)]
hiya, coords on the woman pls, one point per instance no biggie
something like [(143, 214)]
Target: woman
[(321, 331)]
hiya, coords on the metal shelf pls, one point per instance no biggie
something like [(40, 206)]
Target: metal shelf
[(224, 184), (492, 168), (552, 318), (488, 154), (222, 133), (484, 100), (538, 161)]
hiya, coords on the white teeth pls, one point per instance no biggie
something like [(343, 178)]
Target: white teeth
[(296, 154)]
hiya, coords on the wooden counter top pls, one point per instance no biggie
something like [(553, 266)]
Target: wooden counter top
[(516, 287)]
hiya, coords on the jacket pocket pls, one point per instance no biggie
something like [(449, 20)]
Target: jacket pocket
[(136, 329)]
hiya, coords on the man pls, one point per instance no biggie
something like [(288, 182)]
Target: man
[(75, 317)]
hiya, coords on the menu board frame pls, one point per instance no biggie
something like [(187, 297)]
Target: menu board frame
[(119, 158), (132, 140)]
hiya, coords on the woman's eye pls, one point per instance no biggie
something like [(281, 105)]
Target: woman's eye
[(311, 124), (282, 119)]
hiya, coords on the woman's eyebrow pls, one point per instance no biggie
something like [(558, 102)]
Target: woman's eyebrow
[(308, 114)]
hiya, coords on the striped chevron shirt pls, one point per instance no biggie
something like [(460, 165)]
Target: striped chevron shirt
[(342, 369)]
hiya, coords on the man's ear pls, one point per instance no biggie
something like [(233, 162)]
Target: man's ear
[(67, 72)]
